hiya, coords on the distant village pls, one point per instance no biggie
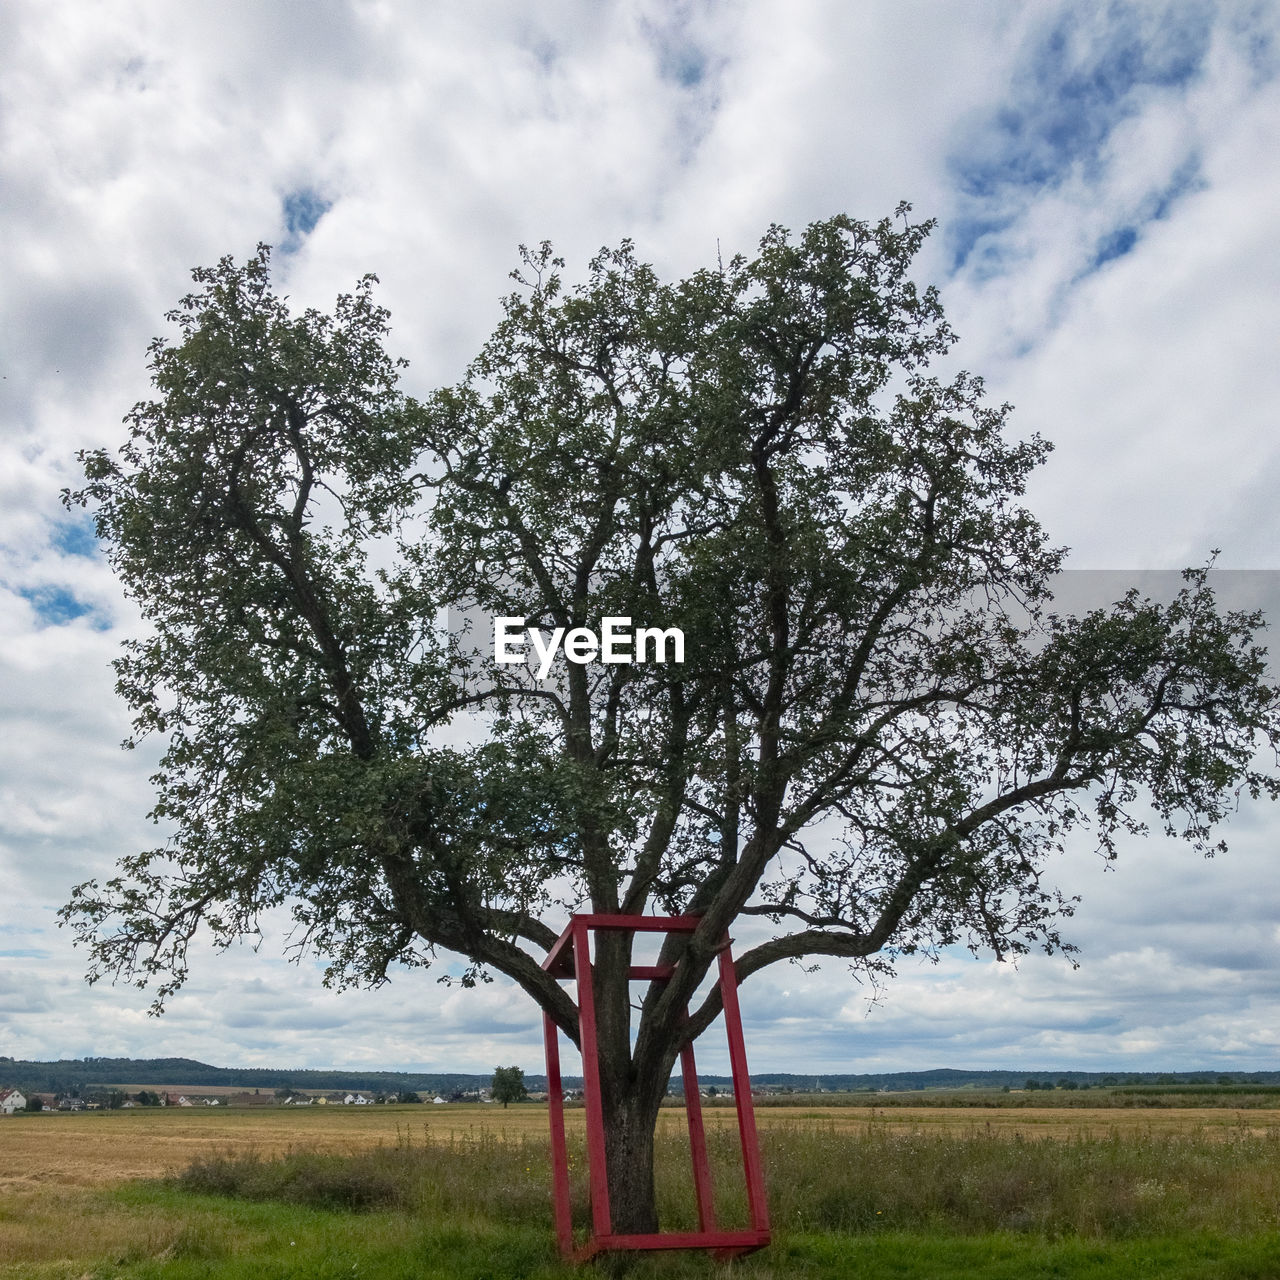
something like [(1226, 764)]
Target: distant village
[(101, 1099), (108, 1099)]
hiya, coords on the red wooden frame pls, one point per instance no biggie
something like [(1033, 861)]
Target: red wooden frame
[(570, 957)]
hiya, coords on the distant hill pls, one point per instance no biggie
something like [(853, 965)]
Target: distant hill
[(951, 1078), (89, 1073)]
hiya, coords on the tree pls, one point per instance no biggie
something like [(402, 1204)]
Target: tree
[(508, 1085), (35, 1103), (879, 733)]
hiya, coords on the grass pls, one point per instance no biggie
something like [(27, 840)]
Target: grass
[(820, 1179), (873, 1199), (180, 1236)]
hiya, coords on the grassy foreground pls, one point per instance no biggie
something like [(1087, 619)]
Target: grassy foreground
[(211, 1238), (872, 1203)]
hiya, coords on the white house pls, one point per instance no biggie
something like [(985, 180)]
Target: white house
[(10, 1101)]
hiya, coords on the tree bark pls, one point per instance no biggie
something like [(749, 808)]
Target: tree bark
[(629, 1124), (631, 1090)]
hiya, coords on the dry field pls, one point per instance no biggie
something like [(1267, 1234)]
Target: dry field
[(85, 1149), (1027, 1122), (93, 1148)]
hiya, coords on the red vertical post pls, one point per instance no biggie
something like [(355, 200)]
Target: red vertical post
[(756, 1198), (697, 1141), (559, 1153), (601, 1217)]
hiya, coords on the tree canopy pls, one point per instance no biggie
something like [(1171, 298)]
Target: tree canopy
[(508, 1085), (879, 733)]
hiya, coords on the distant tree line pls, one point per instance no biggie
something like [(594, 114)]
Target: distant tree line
[(79, 1077), (74, 1076)]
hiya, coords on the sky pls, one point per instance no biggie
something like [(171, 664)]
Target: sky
[(1104, 182)]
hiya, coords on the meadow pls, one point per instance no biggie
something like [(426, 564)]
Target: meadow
[(987, 1191)]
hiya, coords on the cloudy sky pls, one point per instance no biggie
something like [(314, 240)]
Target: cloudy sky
[(1105, 185)]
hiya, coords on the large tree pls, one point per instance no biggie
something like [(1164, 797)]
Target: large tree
[(879, 733), (508, 1086)]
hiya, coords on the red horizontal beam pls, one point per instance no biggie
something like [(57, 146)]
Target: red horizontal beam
[(651, 971), (683, 1240), (642, 924), (560, 959)]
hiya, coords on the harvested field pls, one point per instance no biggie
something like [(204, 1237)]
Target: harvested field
[(95, 1148), (98, 1148), (1028, 1122)]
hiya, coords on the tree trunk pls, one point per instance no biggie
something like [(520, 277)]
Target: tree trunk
[(630, 1092), (628, 1133)]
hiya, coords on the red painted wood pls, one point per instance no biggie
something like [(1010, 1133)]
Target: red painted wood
[(685, 1240), (756, 1199), (641, 924), (601, 1218), (559, 959), (570, 957), (559, 1153), (702, 1187)]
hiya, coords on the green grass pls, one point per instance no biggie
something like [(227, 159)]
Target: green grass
[(870, 1204), (820, 1179), (1003, 1256), (218, 1238)]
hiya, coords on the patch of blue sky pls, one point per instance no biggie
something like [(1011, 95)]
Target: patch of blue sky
[(685, 64), (302, 210), (680, 59), (56, 606), (689, 68), (1256, 34), (1080, 79), (1121, 240), (1114, 245), (24, 953), (74, 536), (976, 242), (1187, 178)]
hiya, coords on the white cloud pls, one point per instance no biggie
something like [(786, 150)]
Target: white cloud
[(144, 138)]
